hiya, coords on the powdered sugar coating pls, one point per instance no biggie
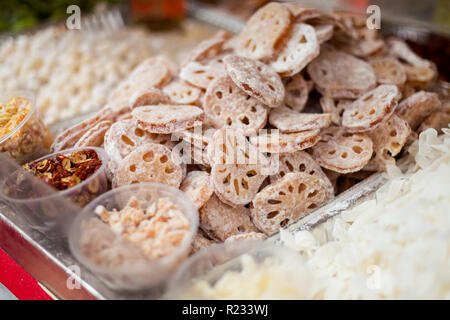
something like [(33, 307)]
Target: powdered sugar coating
[(261, 35), (256, 79), (301, 48), (198, 186), (148, 163), (227, 106), (340, 75), (341, 151), (288, 121), (288, 199), (166, 118), (220, 221)]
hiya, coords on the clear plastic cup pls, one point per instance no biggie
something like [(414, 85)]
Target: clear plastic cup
[(121, 264), (30, 138), (199, 276), (45, 207)]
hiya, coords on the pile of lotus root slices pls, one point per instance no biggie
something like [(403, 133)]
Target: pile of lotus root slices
[(341, 101)]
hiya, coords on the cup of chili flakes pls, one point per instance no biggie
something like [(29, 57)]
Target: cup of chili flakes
[(134, 237), (23, 135), (52, 189)]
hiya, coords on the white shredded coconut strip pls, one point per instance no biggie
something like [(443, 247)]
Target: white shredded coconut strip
[(394, 246)]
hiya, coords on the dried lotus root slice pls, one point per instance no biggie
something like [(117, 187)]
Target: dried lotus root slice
[(199, 136), (316, 17), (419, 71), (69, 137), (418, 106), (150, 162), (261, 35), (388, 71), (246, 236), (300, 13), (399, 49), (167, 118), (420, 76), (186, 153), (227, 106), (301, 161), (126, 135), (148, 97), (154, 72), (389, 138), (339, 75), (288, 121), (297, 92), (329, 106), (119, 99), (285, 201), (223, 34), (220, 221), (201, 75), (200, 156), (256, 79), (324, 32), (206, 49), (436, 120), (94, 137), (301, 48), (237, 167), (333, 177), (369, 111), (198, 187), (200, 241), (367, 43), (181, 92), (285, 142), (341, 151)]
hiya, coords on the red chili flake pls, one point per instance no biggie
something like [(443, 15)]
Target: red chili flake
[(64, 172)]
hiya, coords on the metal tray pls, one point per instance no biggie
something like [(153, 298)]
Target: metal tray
[(51, 263)]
